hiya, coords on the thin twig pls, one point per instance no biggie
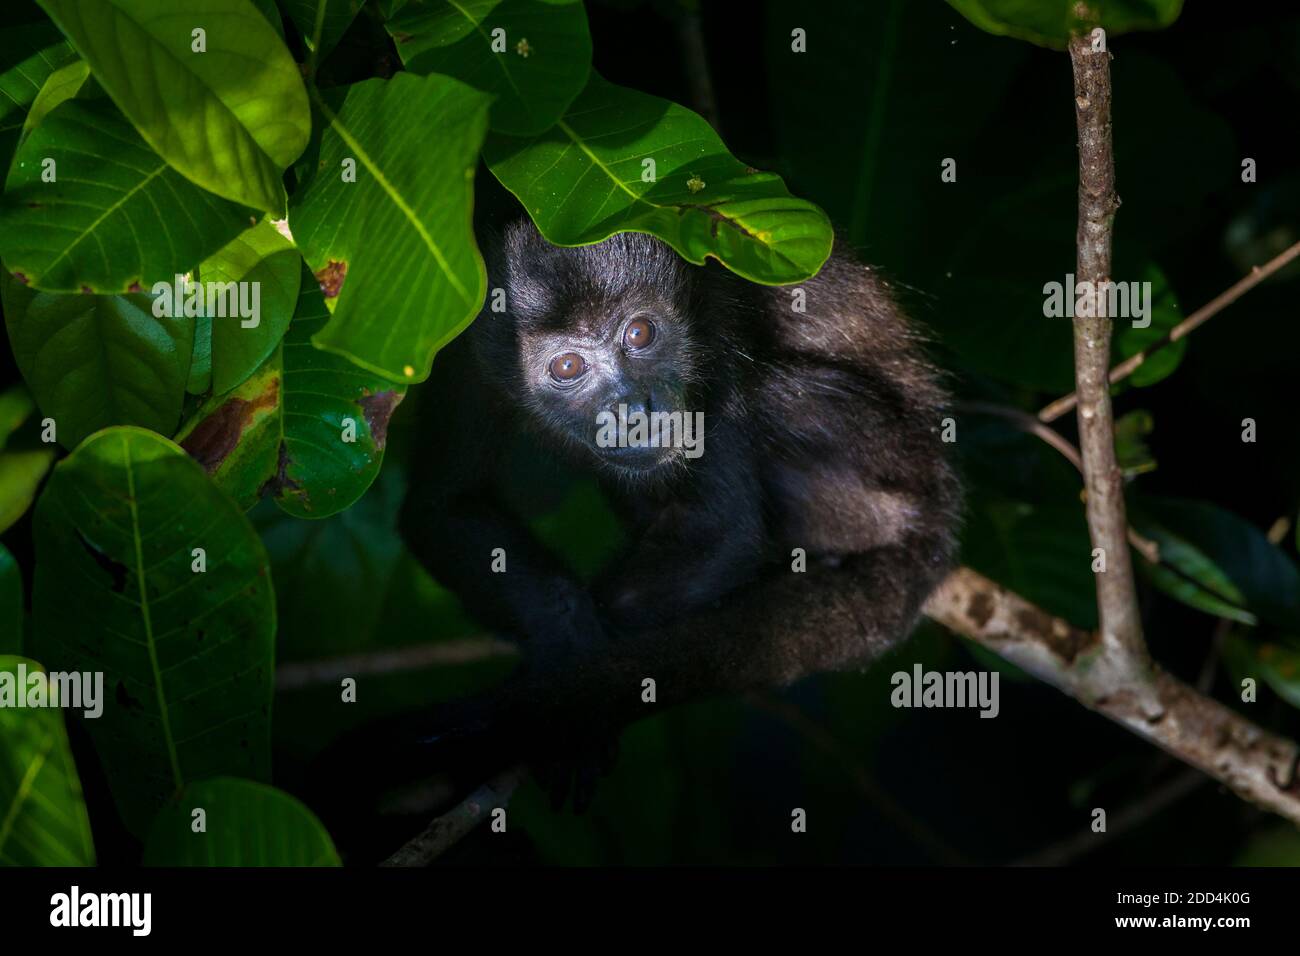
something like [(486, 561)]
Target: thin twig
[(1184, 328), (298, 674), (446, 830), (1122, 821), (1028, 423)]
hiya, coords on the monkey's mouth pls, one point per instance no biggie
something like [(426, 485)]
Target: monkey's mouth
[(638, 457)]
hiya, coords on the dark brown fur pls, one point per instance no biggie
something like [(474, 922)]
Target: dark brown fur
[(822, 434)]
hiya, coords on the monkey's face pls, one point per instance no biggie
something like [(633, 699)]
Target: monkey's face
[(613, 379), (597, 345)]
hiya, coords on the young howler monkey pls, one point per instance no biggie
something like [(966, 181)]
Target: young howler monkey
[(821, 439)]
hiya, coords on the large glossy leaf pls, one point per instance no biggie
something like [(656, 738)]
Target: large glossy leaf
[(230, 119), (235, 436), (282, 433), (336, 579), (187, 656), (245, 824), (93, 361), (1217, 562), (11, 603), (582, 181), (117, 218), (43, 819), (322, 23), (1051, 22), (263, 257), (29, 54), (544, 63), (395, 249)]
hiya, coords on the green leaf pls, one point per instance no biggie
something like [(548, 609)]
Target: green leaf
[(187, 656), (20, 475), (1218, 562), (396, 247), (268, 9), (15, 405), (1164, 315), (582, 181), (322, 23), (283, 431), (235, 436), (43, 819), (229, 119), (1277, 664), (248, 824), (270, 265), (117, 218), (540, 63), (29, 54), (63, 84), (1131, 449), (1278, 845), (1051, 23), (1039, 551), (11, 603), (93, 361), (346, 585)]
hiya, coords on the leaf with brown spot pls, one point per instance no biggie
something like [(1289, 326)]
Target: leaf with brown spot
[(280, 434), (235, 436), (404, 228), (330, 279)]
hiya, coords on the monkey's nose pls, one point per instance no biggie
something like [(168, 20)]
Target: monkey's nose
[(635, 404)]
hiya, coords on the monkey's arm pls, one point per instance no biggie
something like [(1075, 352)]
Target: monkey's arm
[(771, 632), (454, 521)]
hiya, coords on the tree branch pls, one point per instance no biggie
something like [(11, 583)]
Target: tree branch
[(1184, 328), (447, 830), (1121, 625)]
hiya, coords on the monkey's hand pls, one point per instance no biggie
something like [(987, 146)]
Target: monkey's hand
[(558, 618), (566, 752)]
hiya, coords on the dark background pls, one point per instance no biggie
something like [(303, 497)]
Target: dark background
[(860, 124)]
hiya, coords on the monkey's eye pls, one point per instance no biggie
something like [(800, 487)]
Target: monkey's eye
[(567, 367), (638, 334)]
